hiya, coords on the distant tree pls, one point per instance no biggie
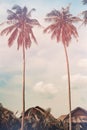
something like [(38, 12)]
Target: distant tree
[(20, 27), (62, 29)]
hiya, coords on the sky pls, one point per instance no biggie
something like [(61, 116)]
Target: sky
[(46, 74)]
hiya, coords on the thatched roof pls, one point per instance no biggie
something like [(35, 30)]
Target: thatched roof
[(78, 112), (8, 120), (39, 112), (77, 115), (62, 117), (39, 119), (4, 113)]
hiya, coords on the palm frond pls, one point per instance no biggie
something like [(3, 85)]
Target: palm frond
[(33, 37), (74, 31), (56, 34), (75, 19), (66, 10), (33, 22), (6, 22), (20, 39), (7, 30), (17, 8), (84, 2), (25, 10), (11, 15), (68, 7), (27, 41), (53, 13), (52, 18), (50, 28), (29, 13), (84, 13), (84, 22), (10, 12), (26, 36), (12, 37), (67, 32)]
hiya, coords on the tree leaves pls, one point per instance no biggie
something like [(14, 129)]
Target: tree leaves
[(21, 26), (84, 2), (62, 27)]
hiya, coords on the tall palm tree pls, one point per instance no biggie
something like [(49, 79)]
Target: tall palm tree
[(62, 29), (20, 25)]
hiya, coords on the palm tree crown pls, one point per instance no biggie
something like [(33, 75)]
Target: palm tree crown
[(84, 13), (62, 27), (84, 2), (21, 26)]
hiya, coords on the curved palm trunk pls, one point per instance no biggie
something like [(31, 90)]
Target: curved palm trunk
[(69, 88), (23, 91)]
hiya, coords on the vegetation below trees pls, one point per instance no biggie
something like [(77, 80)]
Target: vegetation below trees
[(35, 118)]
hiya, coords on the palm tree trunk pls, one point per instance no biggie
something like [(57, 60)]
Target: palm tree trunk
[(69, 87), (23, 91)]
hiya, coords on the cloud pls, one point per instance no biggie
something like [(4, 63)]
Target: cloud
[(79, 77), (82, 63), (78, 81), (76, 77), (43, 88)]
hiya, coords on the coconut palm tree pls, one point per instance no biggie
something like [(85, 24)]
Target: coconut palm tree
[(20, 25), (62, 29)]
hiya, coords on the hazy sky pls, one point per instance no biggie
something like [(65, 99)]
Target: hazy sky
[(46, 80)]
